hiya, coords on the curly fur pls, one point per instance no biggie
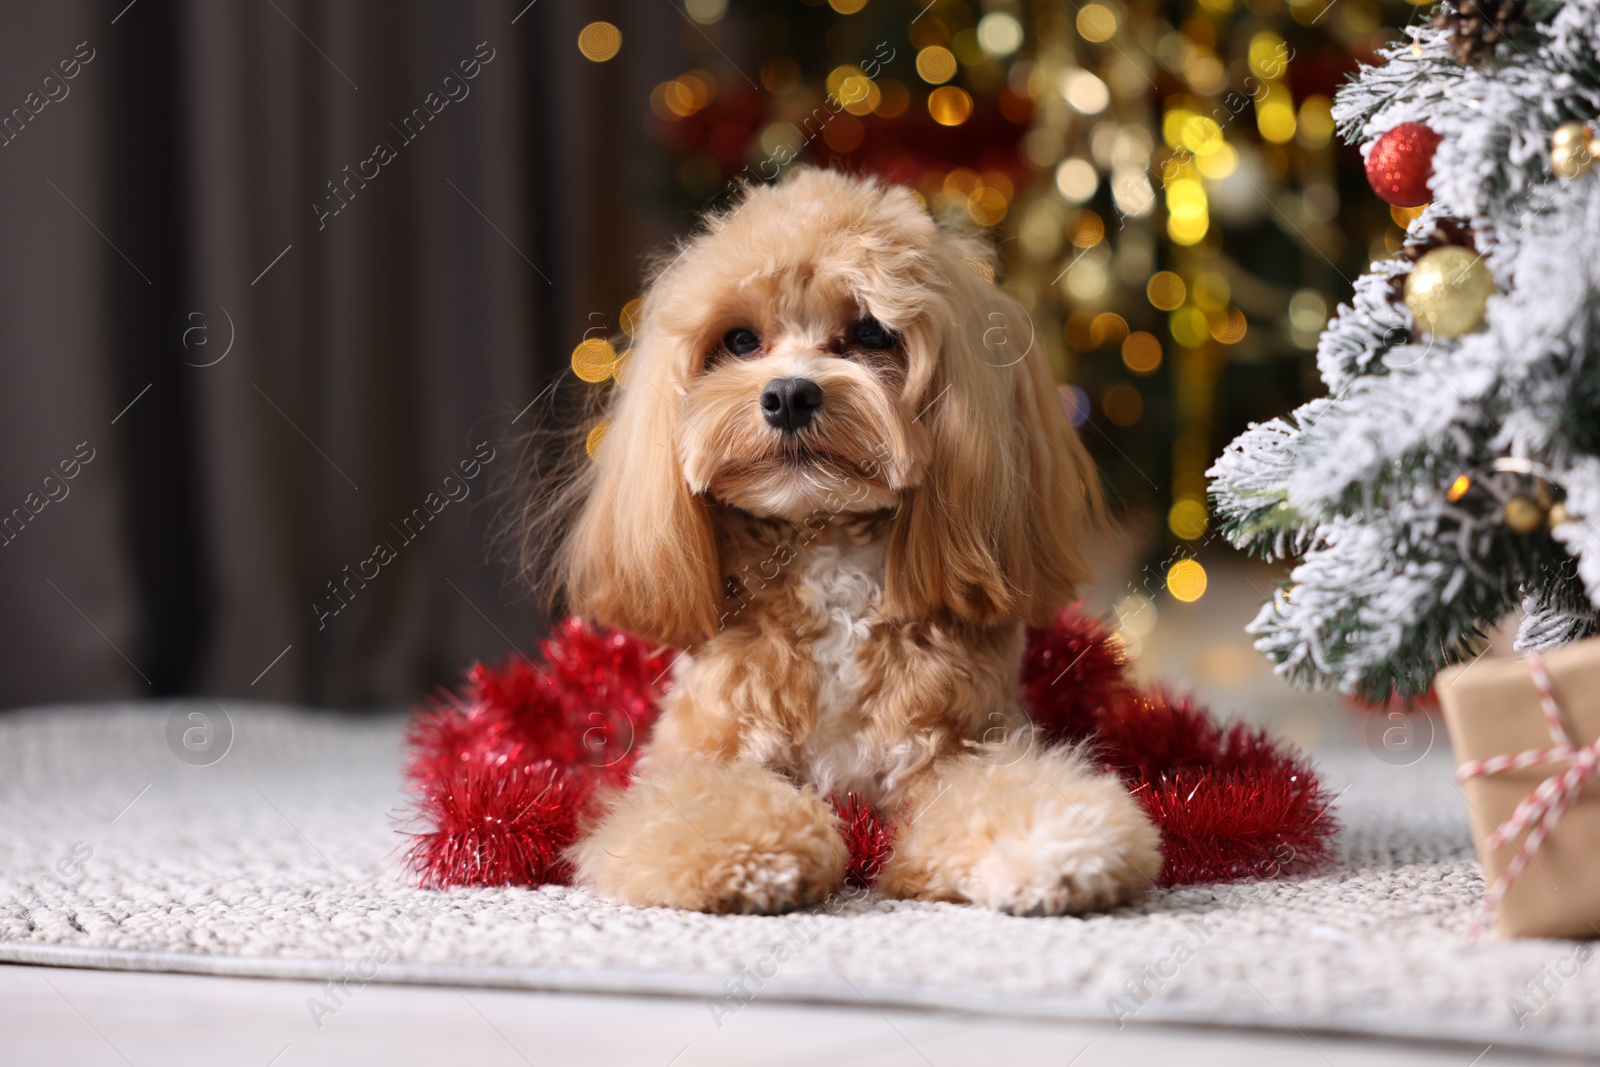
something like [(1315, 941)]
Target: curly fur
[(715, 837), (851, 597)]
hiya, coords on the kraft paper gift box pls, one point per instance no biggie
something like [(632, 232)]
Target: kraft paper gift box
[(1492, 709)]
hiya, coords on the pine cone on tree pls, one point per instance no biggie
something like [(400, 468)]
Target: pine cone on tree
[(1476, 26)]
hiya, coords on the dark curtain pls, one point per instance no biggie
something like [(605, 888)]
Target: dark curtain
[(258, 373)]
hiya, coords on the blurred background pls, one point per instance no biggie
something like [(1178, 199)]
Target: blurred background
[(283, 281)]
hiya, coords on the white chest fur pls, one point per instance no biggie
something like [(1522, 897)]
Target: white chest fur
[(841, 585)]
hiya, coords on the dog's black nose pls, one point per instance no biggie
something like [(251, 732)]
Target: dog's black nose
[(791, 403)]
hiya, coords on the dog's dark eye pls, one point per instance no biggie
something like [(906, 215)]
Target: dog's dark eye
[(741, 342), (870, 333)]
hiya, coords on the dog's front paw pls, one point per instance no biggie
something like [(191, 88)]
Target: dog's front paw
[(1040, 834), (714, 838), (1054, 867)]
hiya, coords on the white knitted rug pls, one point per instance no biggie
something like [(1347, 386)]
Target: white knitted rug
[(281, 858)]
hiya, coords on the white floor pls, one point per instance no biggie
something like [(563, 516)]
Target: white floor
[(69, 1017)]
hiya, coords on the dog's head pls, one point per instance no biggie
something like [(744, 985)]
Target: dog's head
[(824, 349)]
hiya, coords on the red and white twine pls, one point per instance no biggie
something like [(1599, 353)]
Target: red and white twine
[(1542, 808)]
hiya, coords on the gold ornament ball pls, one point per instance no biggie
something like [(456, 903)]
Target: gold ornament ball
[(1559, 514), (1571, 150), (1523, 514), (1448, 290)]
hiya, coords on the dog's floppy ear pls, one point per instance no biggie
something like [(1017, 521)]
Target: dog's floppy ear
[(999, 526), (641, 555)]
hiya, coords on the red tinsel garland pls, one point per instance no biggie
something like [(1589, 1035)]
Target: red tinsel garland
[(869, 837), (503, 826), (506, 768)]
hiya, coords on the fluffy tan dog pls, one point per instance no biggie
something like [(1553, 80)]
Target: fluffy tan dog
[(839, 476)]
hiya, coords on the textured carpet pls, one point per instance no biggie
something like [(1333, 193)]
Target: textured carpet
[(281, 858)]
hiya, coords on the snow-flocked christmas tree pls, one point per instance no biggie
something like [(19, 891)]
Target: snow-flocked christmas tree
[(1453, 470)]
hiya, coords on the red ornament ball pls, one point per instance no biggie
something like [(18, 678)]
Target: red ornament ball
[(1400, 164)]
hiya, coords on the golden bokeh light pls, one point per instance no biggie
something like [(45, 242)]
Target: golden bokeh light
[(1122, 404), (847, 7), (850, 86), (1316, 121), (1403, 216), (780, 75), (1219, 163), (683, 95), (599, 41), (950, 105), (591, 443), (629, 318), (1107, 328), (936, 65), (1188, 216), (700, 85), (1275, 116), (1186, 580), (1172, 124), (999, 179), (1086, 229), (1096, 23), (1228, 325), (1165, 290), (1268, 55), (593, 360), (1189, 326), (1200, 134), (1187, 518), (706, 11), (986, 206), (1141, 352), (665, 101), (961, 182), (1458, 488), (1275, 119)]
